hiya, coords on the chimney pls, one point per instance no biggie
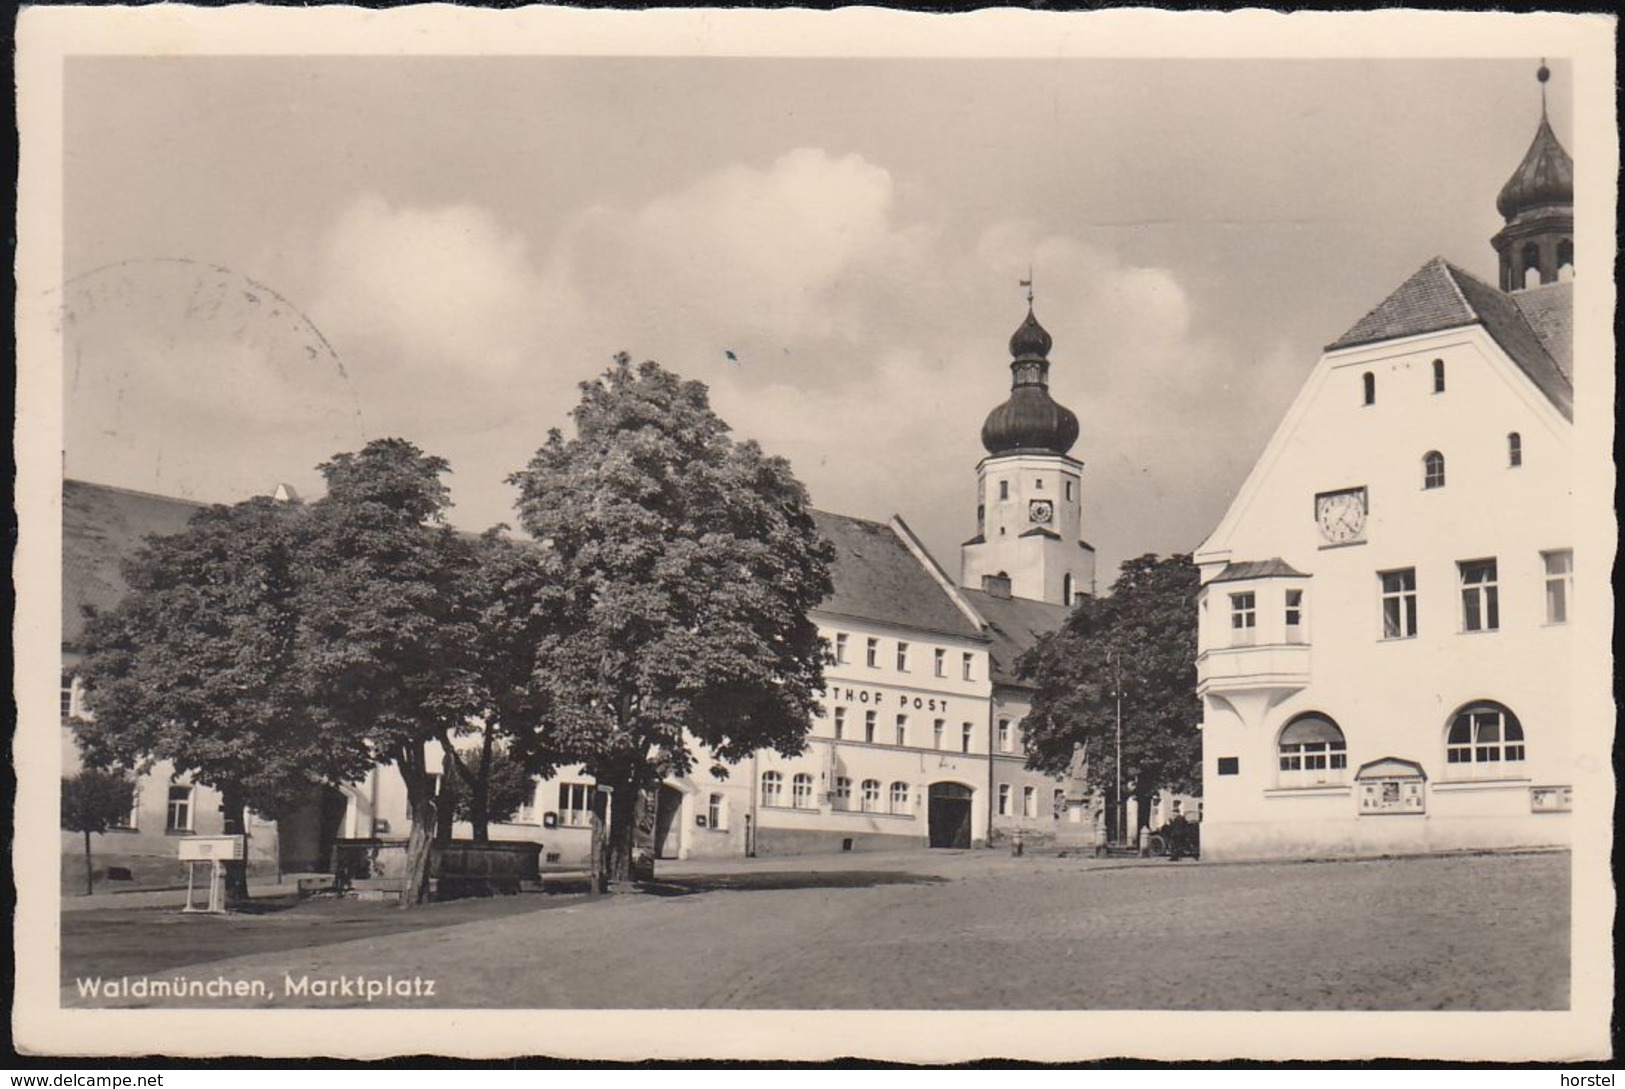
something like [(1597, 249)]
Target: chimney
[(996, 585)]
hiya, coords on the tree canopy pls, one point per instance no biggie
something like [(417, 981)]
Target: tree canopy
[(199, 663), (94, 801), (1141, 637), (687, 565)]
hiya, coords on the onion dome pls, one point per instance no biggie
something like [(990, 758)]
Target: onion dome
[(1030, 421), (1032, 340), (1546, 175)]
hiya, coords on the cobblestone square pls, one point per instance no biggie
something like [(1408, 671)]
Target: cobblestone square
[(926, 930)]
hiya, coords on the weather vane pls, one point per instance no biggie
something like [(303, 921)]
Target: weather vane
[(1543, 74)]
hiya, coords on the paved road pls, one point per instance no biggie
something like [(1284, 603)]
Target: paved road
[(969, 931)]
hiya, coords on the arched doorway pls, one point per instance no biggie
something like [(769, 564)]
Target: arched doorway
[(949, 815)]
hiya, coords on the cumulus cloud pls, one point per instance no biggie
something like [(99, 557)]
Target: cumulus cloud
[(450, 286), (867, 343)]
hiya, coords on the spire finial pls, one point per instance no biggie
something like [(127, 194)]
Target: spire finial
[(1543, 74), (1028, 284)]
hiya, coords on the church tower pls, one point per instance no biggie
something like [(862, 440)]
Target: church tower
[(1537, 203), (1029, 512)]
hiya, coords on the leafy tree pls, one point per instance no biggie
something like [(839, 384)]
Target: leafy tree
[(508, 786), (686, 564), (198, 665), (389, 630), (92, 802), (1143, 637)]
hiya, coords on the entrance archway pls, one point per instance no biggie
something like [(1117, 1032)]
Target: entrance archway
[(949, 815)]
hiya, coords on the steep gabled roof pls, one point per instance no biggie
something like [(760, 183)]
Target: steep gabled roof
[(1440, 296), (1549, 310), (878, 578), (1015, 623), (101, 527)]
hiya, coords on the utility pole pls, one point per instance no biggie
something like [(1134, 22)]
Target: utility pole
[(1117, 695)]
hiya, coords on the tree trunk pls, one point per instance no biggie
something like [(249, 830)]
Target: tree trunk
[(480, 803), (234, 823), (446, 804), (90, 872), (621, 843), (420, 802)]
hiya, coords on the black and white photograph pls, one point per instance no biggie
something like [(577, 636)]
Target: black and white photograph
[(797, 535)]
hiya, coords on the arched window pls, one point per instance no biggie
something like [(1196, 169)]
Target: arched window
[(1433, 469), (1514, 449), (899, 798), (1565, 259), (871, 795), (772, 788), (1312, 752), (1531, 265), (1368, 382), (801, 791), (1484, 738), (1068, 593), (1438, 376)]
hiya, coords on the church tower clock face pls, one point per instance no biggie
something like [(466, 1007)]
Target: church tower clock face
[(1041, 511)]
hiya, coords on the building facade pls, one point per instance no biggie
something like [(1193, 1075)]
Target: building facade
[(1384, 645)]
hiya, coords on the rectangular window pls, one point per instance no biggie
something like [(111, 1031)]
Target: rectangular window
[(575, 804), (840, 723), (937, 728), (1029, 801), (713, 813), (1559, 584), (801, 792), (1398, 603), (902, 657), (1294, 616), (67, 695), (1004, 489), (872, 653), (939, 662), (841, 796), (902, 729), (1004, 735), (179, 815), (840, 648), (1480, 596), (1069, 489), (869, 727), (964, 737), (1243, 619), (1004, 799), (965, 666), (1229, 765)]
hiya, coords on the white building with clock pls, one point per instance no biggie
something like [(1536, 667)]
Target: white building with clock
[(1384, 624)]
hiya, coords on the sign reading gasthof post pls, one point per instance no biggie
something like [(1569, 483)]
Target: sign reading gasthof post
[(212, 849)]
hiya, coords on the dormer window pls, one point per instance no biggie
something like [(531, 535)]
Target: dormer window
[(1368, 382), (1438, 376), (1432, 469)]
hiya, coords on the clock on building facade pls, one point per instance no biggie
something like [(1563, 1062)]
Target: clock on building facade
[(1041, 511), (1341, 515)]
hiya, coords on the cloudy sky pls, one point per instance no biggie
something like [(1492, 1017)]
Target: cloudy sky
[(272, 259)]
